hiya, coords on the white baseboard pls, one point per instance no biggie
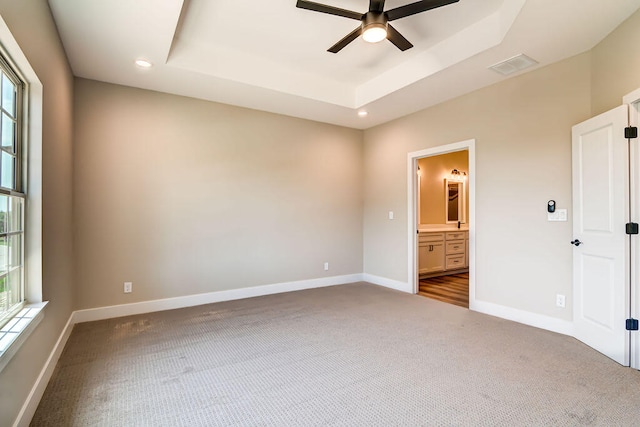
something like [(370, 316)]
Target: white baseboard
[(387, 283), (109, 312), (33, 399), (549, 323), (552, 324)]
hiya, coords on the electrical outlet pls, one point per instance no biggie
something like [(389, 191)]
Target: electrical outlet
[(128, 287), (560, 300), (326, 266), (390, 214)]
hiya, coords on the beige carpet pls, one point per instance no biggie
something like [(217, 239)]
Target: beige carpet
[(351, 355)]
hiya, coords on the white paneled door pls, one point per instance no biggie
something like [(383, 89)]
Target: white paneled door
[(601, 246)]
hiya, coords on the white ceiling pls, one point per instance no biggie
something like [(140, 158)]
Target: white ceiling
[(272, 56)]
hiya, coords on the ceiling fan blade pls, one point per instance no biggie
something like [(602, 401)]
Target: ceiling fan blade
[(317, 7), (417, 7), (376, 6), (398, 39), (345, 40)]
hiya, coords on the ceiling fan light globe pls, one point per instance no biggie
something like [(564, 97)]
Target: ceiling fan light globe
[(374, 33)]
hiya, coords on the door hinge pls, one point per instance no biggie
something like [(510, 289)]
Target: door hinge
[(632, 324), (631, 132), (632, 228)]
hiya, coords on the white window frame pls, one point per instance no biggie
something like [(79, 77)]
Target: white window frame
[(17, 189), (32, 313)]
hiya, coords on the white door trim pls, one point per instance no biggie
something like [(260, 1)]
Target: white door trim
[(631, 97), (633, 100), (412, 162)]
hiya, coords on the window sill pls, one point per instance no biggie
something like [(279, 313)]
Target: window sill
[(16, 331)]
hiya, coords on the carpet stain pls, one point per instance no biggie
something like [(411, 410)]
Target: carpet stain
[(489, 397), (587, 417), (132, 328)]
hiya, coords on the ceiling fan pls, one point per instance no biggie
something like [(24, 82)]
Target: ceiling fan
[(374, 24)]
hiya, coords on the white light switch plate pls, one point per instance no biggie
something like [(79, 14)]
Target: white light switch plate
[(558, 215)]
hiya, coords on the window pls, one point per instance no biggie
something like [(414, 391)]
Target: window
[(12, 196), (21, 94)]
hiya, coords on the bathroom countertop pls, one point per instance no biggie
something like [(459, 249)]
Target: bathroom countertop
[(442, 227)]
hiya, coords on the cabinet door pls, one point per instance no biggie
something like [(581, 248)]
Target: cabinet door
[(431, 257)]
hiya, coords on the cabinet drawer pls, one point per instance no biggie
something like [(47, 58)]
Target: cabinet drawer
[(456, 235), (430, 237), (455, 247), (454, 261)]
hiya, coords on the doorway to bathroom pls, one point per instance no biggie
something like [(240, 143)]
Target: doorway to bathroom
[(442, 225)]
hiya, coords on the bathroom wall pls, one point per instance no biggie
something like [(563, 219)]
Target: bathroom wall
[(433, 172)]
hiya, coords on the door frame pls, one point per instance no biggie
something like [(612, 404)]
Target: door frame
[(412, 209), (633, 101)]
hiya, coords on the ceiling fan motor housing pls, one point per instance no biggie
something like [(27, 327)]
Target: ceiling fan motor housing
[(374, 18), (374, 26)]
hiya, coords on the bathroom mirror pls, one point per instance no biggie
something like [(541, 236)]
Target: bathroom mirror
[(454, 206)]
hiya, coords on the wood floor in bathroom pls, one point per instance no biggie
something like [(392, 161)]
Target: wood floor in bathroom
[(453, 289)]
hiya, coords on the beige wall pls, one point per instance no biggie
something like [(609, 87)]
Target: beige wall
[(182, 196), (433, 172), (32, 26), (522, 128), (615, 64), (523, 132)]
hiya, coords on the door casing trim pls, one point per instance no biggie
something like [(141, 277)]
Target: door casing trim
[(412, 200), (633, 100)]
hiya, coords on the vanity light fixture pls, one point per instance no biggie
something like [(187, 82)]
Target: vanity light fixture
[(362, 113), (456, 175), (143, 63)]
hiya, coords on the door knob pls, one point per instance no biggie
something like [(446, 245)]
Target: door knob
[(576, 242)]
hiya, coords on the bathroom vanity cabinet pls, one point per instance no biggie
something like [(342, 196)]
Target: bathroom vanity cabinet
[(442, 252)]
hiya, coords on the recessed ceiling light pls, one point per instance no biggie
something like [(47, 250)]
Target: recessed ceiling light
[(143, 63), (362, 113)]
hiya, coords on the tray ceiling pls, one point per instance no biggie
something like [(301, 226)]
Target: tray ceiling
[(272, 56)]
